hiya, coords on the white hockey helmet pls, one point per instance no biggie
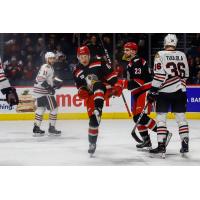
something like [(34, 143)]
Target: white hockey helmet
[(170, 40), (49, 55)]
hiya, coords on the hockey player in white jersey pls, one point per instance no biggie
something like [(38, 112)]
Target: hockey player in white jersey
[(44, 89), (169, 90), (6, 89)]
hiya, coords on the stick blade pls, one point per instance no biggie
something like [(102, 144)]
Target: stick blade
[(137, 139)]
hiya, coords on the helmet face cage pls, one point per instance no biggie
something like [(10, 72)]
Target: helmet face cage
[(170, 40)]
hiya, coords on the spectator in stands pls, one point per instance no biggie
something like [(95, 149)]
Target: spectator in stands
[(29, 72), (197, 78), (108, 44), (40, 46), (13, 68), (95, 49), (192, 70), (61, 66), (197, 63), (30, 49), (11, 48), (73, 64)]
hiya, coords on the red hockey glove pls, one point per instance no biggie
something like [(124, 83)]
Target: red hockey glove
[(123, 83), (83, 93), (118, 87)]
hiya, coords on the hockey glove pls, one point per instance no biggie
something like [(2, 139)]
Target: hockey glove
[(152, 95), (50, 89), (118, 87), (11, 95), (58, 83), (123, 83)]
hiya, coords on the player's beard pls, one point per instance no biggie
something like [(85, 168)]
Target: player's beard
[(51, 63), (127, 57)]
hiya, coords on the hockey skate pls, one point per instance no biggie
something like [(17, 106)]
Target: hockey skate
[(184, 146), (53, 131), (92, 148), (146, 145), (37, 132), (160, 150)]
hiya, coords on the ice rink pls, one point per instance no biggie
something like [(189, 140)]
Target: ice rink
[(115, 145)]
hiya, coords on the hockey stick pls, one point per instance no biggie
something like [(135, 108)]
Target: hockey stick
[(126, 105), (133, 133), (109, 61)]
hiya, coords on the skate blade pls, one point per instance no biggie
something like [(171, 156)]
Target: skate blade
[(158, 155), (38, 135), (184, 155), (163, 155), (53, 135), (92, 155), (145, 149)]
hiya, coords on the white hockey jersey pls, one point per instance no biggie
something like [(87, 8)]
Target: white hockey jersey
[(170, 71), (46, 73), (4, 83)]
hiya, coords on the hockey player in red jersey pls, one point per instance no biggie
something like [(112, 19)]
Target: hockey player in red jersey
[(95, 81), (138, 71)]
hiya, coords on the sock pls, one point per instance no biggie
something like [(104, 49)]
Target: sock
[(53, 117), (183, 131), (161, 133), (92, 134), (39, 116), (143, 131)]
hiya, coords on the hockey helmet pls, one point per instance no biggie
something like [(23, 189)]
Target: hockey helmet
[(131, 45), (83, 50), (49, 55), (170, 40)]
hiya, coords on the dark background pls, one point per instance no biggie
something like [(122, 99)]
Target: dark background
[(22, 54)]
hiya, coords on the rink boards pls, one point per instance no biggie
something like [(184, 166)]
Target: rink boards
[(71, 107)]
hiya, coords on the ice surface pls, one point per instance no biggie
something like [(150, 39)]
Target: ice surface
[(115, 145)]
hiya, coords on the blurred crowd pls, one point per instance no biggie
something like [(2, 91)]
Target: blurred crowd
[(23, 54), (193, 55)]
